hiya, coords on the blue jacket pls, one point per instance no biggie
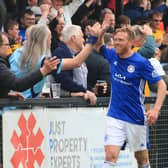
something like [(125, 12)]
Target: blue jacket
[(14, 61), (66, 77)]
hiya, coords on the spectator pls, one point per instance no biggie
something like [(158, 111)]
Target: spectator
[(56, 26), (73, 80), (122, 21), (12, 29), (107, 17), (37, 12), (144, 42), (156, 19), (27, 20), (31, 56), (98, 70)]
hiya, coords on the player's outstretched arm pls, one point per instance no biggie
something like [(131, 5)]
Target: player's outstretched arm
[(153, 114)]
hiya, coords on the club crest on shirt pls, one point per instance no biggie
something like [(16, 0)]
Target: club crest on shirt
[(131, 69), (115, 63)]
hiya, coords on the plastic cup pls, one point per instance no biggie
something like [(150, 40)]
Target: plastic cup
[(56, 90)]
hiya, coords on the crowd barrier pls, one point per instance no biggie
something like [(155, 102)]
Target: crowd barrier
[(68, 133)]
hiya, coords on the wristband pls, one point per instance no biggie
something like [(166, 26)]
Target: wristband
[(92, 39)]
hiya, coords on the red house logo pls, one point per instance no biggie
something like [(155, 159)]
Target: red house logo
[(27, 145)]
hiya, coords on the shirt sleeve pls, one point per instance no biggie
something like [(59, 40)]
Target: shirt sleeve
[(149, 73), (107, 53)]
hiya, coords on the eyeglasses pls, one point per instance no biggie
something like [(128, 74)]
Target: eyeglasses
[(156, 20)]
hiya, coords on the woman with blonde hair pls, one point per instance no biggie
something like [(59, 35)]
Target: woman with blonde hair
[(31, 56)]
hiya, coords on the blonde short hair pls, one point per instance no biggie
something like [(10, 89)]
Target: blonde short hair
[(128, 30)]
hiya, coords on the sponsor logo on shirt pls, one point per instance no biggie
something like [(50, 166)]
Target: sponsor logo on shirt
[(119, 78)]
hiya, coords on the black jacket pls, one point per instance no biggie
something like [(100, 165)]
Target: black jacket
[(8, 80)]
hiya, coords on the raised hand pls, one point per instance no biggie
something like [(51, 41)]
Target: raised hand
[(45, 9), (94, 30), (60, 12), (101, 33), (146, 29)]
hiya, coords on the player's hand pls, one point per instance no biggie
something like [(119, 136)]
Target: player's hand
[(152, 116), (94, 30)]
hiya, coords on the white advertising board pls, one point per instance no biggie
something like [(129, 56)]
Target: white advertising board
[(57, 138)]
